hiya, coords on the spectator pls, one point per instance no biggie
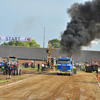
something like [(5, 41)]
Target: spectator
[(42, 67), (6, 69), (38, 67), (10, 70), (23, 65)]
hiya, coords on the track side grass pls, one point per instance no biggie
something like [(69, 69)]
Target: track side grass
[(1, 81), (29, 68)]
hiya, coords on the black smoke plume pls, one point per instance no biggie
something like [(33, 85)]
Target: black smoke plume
[(83, 27)]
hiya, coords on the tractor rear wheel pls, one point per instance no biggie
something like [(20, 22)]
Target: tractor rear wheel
[(15, 72), (20, 71), (32, 66), (85, 70), (4, 73)]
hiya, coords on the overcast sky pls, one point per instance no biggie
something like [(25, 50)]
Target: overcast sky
[(29, 17)]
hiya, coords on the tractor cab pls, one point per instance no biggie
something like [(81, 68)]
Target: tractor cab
[(95, 65), (13, 61)]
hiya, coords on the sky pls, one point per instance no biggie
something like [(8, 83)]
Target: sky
[(24, 18)]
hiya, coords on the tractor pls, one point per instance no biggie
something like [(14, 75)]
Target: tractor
[(13, 61), (29, 64), (93, 66)]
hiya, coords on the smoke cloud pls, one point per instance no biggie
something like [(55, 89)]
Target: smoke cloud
[(83, 27)]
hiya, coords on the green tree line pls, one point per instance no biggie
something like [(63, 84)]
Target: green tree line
[(22, 43), (55, 43)]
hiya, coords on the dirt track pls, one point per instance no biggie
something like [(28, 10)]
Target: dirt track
[(49, 86), (24, 72)]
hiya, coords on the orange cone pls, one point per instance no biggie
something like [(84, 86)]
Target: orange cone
[(99, 77)]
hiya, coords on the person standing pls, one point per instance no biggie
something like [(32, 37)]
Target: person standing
[(6, 69), (10, 70), (42, 67), (23, 65), (38, 67)]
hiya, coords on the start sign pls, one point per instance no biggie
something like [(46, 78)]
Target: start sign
[(15, 39)]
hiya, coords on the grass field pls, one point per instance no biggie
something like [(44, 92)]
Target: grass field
[(3, 81), (29, 68), (19, 77)]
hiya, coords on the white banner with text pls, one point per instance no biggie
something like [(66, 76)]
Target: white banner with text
[(15, 38)]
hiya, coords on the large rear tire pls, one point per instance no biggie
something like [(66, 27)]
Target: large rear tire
[(85, 70), (15, 72), (91, 70), (32, 66), (4, 73), (20, 72)]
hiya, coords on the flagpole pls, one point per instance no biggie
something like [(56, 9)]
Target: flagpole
[(43, 44)]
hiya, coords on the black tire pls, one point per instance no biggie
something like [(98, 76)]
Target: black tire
[(26, 65), (15, 72), (85, 70), (69, 74), (32, 66), (4, 73), (58, 74), (91, 70), (20, 72)]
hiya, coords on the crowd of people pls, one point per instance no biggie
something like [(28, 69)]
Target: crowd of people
[(43, 66), (8, 70)]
